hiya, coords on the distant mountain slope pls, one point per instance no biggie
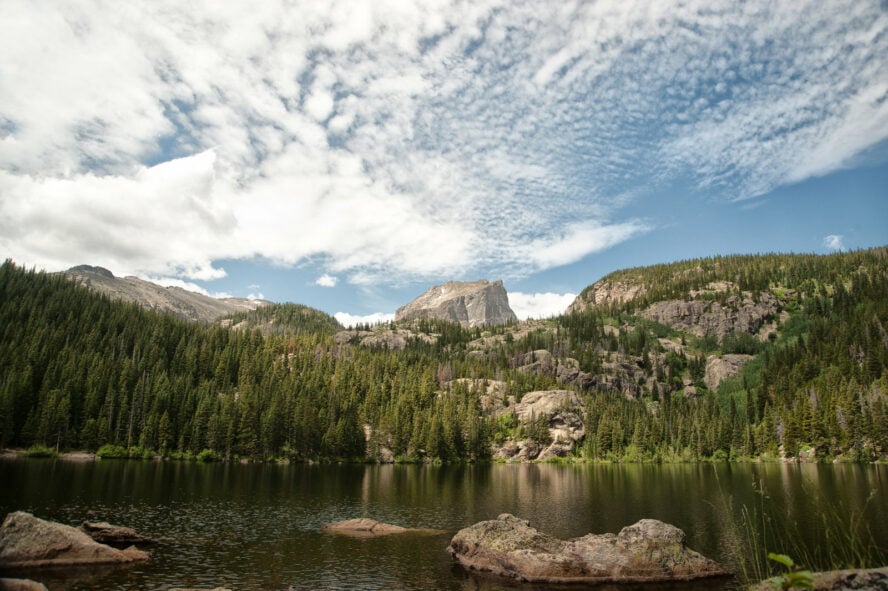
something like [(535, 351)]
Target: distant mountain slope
[(174, 300), (283, 319), (467, 303), (639, 287)]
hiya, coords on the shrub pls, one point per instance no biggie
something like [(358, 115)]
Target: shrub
[(208, 455), (109, 451), (40, 451)]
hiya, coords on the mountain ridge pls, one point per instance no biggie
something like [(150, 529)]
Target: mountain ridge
[(181, 302)]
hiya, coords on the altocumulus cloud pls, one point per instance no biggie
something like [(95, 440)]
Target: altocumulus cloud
[(402, 140)]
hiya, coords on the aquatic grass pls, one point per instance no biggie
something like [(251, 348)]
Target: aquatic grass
[(763, 529)]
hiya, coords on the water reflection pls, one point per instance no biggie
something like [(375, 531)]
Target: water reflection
[(257, 526)]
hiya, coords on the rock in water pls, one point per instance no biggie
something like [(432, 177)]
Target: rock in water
[(469, 303), (21, 585), (363, 527), (26, 541), (116, 535), (647, 551)]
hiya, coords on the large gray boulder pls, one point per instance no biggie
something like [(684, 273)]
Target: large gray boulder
[(469, 303), (26, 541), (647, 551)]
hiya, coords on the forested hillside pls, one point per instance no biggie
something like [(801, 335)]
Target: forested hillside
[(78, 371)]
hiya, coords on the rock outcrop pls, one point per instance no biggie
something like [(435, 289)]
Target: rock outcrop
[(26, 541), (647, 551), (114, 535), (363, 527), (721, 368), (561, 410), (186, 304), (605, 293), (702, 317), (469, 303)]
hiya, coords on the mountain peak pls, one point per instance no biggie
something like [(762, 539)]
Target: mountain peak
[(469, 303)]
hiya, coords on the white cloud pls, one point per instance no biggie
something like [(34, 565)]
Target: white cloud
[(539, 305), (327, 280), (349, 320), (404, 140), (834, 242)]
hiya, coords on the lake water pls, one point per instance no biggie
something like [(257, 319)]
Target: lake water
[(258, 526)]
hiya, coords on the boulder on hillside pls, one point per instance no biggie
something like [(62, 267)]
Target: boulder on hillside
[(26, 541), (114, 535), (647, 551), (469, 303), (363, 527)]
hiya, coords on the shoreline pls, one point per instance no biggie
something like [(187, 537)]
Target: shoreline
[(87, 456)]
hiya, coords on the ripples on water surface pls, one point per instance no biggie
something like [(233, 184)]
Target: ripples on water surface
[(258, 526)]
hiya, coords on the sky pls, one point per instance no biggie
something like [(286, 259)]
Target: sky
[(348, 155)]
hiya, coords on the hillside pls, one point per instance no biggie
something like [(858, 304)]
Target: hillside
[(729, 357), (186, 304)]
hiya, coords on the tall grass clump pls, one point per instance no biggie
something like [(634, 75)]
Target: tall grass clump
[(756, 531)]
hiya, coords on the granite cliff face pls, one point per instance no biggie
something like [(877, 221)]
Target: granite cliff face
[(174, 300), (606, 292), (469, 303)]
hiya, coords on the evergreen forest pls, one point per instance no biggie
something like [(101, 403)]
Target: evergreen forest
[(79, 371)]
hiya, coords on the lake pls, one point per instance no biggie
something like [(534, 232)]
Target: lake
[(257, 526)]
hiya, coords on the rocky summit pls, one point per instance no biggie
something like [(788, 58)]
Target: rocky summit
[(469, 303)]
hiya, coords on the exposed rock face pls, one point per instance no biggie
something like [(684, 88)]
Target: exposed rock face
[(563, 411), (115, 535), (649, 550), (26, 541), (719, 369), (175, 300), (606, 292), (471, 304), (363, 527), (709, 317), (393, 340)]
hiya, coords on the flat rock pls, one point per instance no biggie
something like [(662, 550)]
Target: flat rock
[(115, 535), (21, 585), (27, 541), (647, 551), (872, 579), (364, 527)]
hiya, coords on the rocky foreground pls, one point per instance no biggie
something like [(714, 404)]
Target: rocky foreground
[(648, 551), (27, 541)]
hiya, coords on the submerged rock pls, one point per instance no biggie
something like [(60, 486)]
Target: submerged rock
[(363, 527), (26, 541), (649, 550), (115, 535)]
